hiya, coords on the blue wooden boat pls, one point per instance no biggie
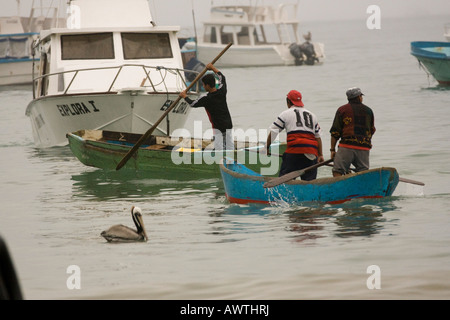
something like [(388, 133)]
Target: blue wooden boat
[(244, 186), (435, 57)]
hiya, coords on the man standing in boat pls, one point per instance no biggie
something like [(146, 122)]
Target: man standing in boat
[(354, 126), (304, 142), (215, 104)]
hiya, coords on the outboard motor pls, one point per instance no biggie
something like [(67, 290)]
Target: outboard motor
[(296, 52), (308, 50), (303, 53)]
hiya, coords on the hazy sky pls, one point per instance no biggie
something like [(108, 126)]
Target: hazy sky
[(309, 10)]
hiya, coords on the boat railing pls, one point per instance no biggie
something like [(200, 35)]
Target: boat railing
[(238, 13), (151, 79), (286, 12)]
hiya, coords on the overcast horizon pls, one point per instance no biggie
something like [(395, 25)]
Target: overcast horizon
[(308, 10)]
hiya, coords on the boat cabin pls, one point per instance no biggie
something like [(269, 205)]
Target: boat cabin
[(252, 26), (105, 53), (13, 39), (17, 33)]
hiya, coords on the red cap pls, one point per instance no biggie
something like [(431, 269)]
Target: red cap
[(296, 98)]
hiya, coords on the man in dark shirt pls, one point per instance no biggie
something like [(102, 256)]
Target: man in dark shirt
[(354, 125), (215, 104)]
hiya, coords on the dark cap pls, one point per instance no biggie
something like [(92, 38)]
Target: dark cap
[(353, 93)]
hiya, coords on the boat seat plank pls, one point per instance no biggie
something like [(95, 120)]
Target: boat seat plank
[(156, 147)]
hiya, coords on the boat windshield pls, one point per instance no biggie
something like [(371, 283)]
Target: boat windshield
[(101, 46), (146, 46), (260, 34), (87, 46)]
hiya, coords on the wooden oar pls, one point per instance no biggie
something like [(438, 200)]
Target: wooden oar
[(292, 175), (150, 131), (411, 181), (399, 179), (267, 184)]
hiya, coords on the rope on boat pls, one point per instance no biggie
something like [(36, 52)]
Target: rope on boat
[(421, 66)]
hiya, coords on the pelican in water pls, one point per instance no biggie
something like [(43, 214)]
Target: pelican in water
[(121, 233)]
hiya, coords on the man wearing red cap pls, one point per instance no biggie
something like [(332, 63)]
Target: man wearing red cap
[(304, 144)]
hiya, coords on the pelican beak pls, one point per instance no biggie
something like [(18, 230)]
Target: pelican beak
[(141, 221)]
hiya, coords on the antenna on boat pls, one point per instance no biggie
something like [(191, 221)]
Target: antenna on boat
[(195, 28), (18, 8)]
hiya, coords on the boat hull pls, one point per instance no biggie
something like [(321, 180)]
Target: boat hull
[(435, 56), (105, 149), (244, 186), (252, 56), (52, 117), (17, 71)]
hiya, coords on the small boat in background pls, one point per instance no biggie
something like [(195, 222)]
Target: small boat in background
[(16, 37), (435, 57), (243, 186), (189, 55), (262, 35), (105, 149), (447, 31)]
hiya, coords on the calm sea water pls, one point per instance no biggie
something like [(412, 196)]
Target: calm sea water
[(201, 246)]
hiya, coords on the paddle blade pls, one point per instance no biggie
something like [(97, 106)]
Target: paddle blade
[(411, 181)]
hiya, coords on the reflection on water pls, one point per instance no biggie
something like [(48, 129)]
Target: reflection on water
[(105, 185), (99, 184), (53, 154), (248, 209), (232, 222), (356, 218), (437, 87)]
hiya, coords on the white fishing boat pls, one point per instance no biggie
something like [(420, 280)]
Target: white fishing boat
[(111, 68), (262, 35), (17, 34)]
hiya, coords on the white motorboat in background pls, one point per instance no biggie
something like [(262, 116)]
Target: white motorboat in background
[(16, 37), (261, 36), (111, 69)]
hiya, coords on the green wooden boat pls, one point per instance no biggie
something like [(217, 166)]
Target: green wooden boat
[(105, 149)]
